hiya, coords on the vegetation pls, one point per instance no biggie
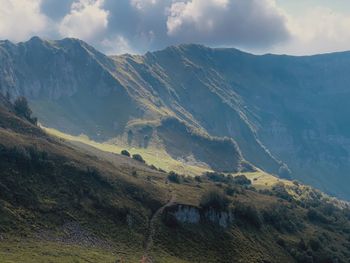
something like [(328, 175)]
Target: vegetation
[(46, 185), (241, 180), (214, 199), (22, 109), (248, 213), (125, 153), (138, 158), (174, 177)]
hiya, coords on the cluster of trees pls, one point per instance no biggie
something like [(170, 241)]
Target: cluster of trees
[(228, 179), (136, 156), (22, 110)]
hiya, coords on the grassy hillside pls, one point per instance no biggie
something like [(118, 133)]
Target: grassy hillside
[(69, 202)]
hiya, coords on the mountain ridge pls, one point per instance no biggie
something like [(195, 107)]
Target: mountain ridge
[(266, 103)]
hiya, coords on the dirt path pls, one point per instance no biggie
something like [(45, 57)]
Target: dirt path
[(151, 229)]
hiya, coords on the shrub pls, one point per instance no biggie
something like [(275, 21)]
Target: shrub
[(248, 214), (241, 180), (22, 110), (214, 199), (281, 218), (174, 177), (198, 179), (125, 153), (216, 177), (281, 192), (138, 157)]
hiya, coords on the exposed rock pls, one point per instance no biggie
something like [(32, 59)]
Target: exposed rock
[(221, 218), (187, 214), (194, 215)]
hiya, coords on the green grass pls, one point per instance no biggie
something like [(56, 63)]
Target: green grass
[(153, 156), (27, 251)]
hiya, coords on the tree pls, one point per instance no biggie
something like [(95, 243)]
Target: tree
[(22, 110), (125, 153), (241, 180), (138, 157), (174, 177)]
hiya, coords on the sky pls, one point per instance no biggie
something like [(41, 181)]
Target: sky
[(295, 27)]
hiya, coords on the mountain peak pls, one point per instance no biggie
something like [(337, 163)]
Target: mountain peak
[(35, 39)]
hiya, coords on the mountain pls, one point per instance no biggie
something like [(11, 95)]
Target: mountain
[(286, 115), (66, 202)]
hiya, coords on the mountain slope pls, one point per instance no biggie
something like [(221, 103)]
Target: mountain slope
[(60, 202), (278, 109), (92, 100)]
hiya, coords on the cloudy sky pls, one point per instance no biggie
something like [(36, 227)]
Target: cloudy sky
[(136, 26)]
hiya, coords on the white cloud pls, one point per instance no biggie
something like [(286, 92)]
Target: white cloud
[(200, 14), (21, 19), (319, 30), (253, 23), (142, 4), (87, 20), (116, 45)]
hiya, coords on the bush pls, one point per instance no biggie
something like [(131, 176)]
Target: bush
[(22, 110), (230, 191), (281, 192), (125, 153), (241, 180), (174, 177), (216, 177), (248, 214), (281, 218), (198, 178), (138, 157), (215, 200)]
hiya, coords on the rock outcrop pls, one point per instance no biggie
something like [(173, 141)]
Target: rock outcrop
[(193, 215)]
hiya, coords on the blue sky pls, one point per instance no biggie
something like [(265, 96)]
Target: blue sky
[(296, 27), (298, 7)]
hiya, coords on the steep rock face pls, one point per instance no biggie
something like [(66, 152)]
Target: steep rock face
[(187, 214), (69, 85), (221, 154)]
